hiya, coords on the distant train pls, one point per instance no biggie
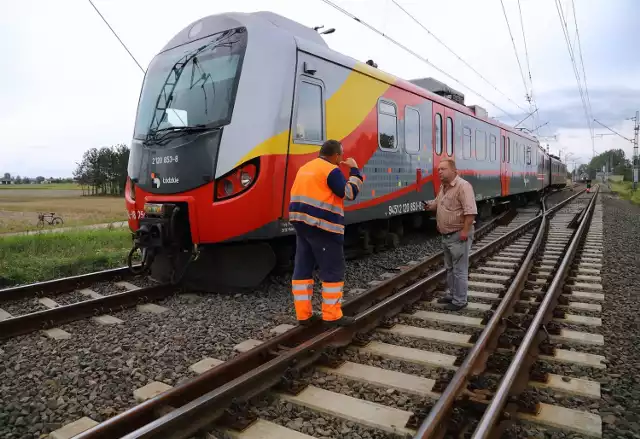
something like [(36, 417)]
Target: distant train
[(235, 103)]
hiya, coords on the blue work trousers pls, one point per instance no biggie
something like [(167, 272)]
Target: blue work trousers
[(318, 247)]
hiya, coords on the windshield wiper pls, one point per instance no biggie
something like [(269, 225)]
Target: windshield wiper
[(153, 135)]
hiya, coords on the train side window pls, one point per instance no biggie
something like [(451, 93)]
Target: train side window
[(438, 134), (387, 125), (309, 117), (481, 145), (411, 130), (508, 150), (503, 150), (466, 143), (493, 153), (449, 136), (525, 159), (528, 154)]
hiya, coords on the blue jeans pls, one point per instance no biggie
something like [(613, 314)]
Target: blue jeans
[(456, 261)]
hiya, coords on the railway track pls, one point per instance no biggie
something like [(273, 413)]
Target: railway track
[(414, 360)]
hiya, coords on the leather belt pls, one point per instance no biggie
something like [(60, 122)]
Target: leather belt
[(449, 234)]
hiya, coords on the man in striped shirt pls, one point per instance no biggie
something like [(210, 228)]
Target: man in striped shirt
[(456, 209)]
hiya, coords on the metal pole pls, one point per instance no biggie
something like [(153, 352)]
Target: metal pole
[(636, 159)]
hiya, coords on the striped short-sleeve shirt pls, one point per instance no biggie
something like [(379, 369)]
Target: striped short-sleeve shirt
[(455, 200)]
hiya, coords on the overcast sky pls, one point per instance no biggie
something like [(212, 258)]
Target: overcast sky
[(67, 84)]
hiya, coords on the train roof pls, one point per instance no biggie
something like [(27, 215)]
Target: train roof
[(265, 23)]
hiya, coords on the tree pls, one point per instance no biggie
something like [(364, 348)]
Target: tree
[(103, 171)]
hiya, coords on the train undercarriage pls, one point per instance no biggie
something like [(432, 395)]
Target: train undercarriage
[(168, 255)]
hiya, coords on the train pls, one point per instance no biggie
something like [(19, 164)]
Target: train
[(235, 103)]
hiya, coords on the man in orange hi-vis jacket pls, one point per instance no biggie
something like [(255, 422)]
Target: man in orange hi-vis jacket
[(316, 211)]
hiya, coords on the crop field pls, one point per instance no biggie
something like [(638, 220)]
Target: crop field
[(20, 205)]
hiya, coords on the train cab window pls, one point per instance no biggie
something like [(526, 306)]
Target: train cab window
[(411, 130), (449, 136), (481, 145), (309, 120), (493, 148), (387, 125), (466, 143), (438, 145)]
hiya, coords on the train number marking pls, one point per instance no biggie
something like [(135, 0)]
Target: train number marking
[(398, 209), (165, 159)]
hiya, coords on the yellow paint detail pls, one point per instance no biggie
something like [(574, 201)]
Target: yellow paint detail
[(351, 103), (345, 111)]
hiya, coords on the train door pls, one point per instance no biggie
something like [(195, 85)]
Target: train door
[(438, 142), (308, 120), (505, 168)]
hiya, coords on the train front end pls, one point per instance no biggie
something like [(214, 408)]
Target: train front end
[(187, 100)]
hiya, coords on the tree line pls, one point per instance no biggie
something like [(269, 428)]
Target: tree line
[(614, 161), (103, 171)]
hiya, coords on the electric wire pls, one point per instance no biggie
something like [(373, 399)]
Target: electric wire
[(455, 54), (536, 120), (423, 59), (524, 82), (116, 35)]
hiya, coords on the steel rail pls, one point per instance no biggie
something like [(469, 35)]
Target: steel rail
[(194, 404), (475, 362), (63, 314), (62, 284), (495, 409)]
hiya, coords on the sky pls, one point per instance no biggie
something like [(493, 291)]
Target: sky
[(67, 85)]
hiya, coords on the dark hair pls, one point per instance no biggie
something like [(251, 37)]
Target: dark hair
[(330, 147)]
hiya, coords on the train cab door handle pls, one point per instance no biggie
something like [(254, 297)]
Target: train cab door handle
[(418, 179)]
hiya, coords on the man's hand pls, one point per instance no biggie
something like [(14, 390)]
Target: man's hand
[(464, 235), (430, 205), (349, 162)]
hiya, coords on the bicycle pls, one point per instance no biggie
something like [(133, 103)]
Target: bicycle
[(54, 221)]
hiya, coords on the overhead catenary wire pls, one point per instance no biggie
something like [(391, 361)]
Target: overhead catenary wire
[(423, 59), (565, 31), (536, 120), (455, 54), (116, 35), (584, 73), (524, 82)]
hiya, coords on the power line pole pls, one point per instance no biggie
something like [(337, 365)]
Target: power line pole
[(636, 159)]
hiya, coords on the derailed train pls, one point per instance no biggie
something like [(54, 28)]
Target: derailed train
[(235, 103)]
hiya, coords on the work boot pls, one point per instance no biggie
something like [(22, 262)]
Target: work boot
[(310, 321), (342, 321)]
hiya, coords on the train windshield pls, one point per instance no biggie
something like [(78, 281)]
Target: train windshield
[(191, 87)]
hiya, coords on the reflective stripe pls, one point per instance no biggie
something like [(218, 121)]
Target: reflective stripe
[(332, 289), (348, 192), (316, 203), (312, 221), (356, 181), (301, 297), (301, 287), (332, 301)]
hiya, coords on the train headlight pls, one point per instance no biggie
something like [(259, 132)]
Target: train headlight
[(245, 179)]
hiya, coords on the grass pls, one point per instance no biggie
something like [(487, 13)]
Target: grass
[(19, 208), (625, 191), (36, 258), (58, 186)]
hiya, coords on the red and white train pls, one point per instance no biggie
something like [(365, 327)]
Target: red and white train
[(235, 103)]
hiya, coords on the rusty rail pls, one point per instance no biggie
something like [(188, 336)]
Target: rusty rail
[(63, 314), (198, 402), (475, 362), (524, 356), (62, 284)]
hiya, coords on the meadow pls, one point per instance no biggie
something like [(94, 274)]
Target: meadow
[(20, 205)]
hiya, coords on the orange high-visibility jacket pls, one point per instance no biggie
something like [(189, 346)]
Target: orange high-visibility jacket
[(318, 193)]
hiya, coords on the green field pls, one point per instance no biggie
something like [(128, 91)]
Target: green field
[(625, 191), (35, 258), (41, 186), (20, 205)]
